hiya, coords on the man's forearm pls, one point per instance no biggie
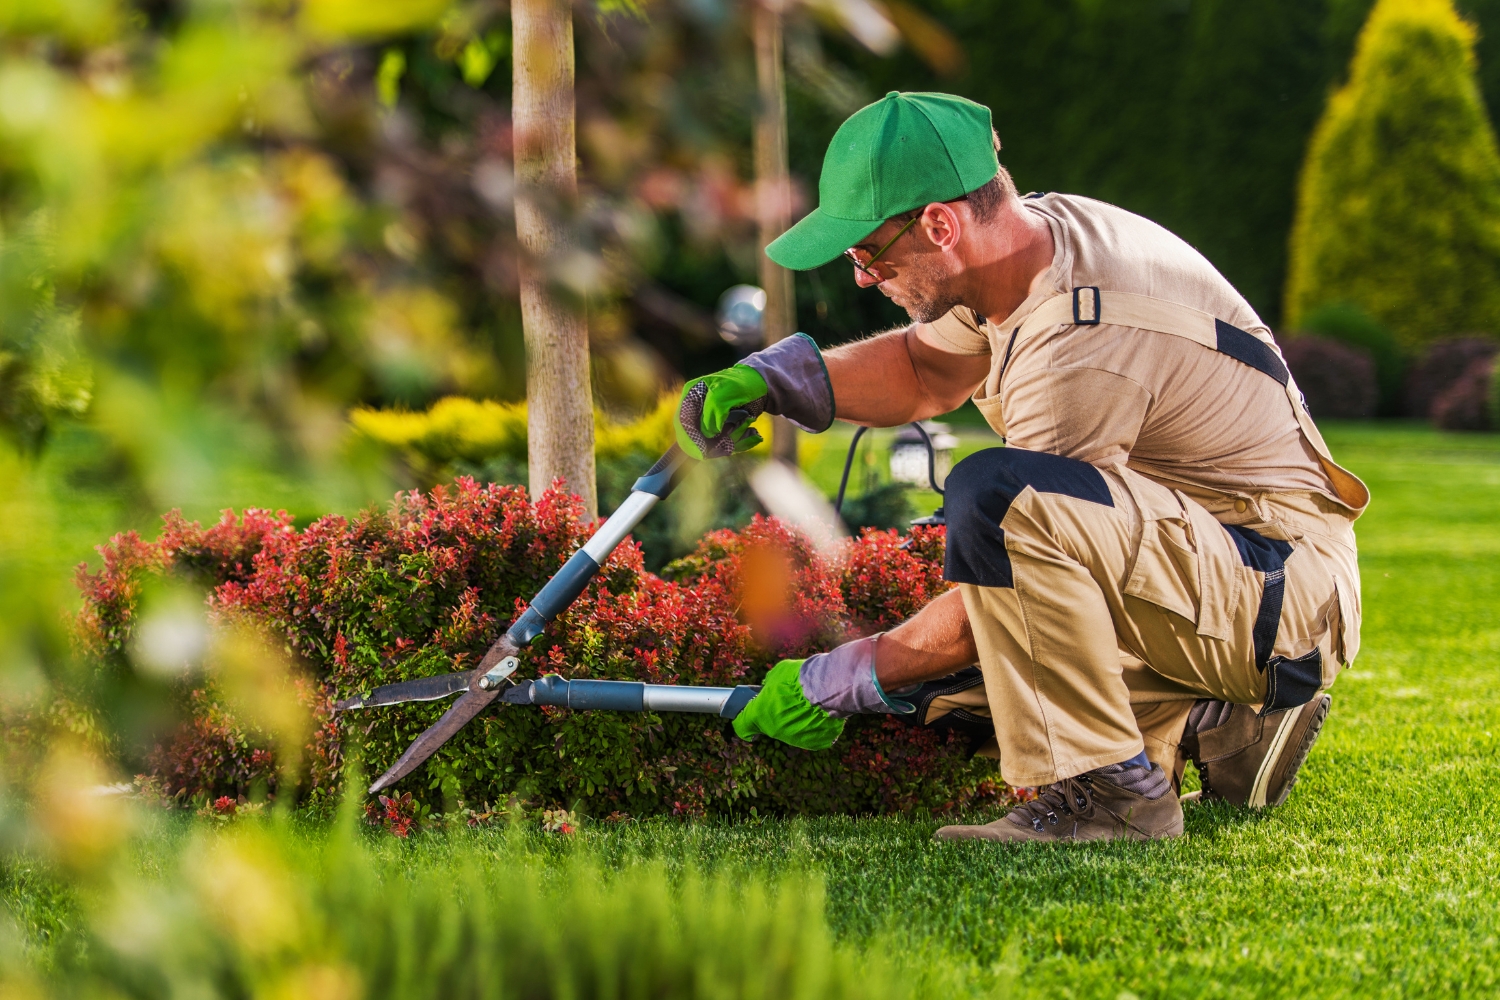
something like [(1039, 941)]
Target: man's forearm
[(874, 381), (933, 643), (894, 378)]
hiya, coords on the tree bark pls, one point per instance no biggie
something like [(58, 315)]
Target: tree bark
[(560, 417), (773, 195)]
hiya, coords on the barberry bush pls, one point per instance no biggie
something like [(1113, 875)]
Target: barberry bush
[(425, 587)]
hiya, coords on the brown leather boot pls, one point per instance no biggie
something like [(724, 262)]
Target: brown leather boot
[(1248, 760), (1088, 807)]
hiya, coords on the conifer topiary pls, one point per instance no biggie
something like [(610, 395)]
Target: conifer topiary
[(1399, 202)]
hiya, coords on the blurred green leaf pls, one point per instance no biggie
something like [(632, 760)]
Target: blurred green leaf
[(388, 77), (341, 19), (480, 55), (78, 21)]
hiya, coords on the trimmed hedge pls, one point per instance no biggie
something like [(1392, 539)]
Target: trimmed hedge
[(1494, 397), (425, 587), (1351, 326)]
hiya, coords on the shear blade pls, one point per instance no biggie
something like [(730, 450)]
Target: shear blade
[(473, 701), (421, 689)]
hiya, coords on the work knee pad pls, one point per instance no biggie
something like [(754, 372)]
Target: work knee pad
[(978, 495)]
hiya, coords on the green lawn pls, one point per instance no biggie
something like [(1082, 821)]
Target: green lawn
[(1378, 877)]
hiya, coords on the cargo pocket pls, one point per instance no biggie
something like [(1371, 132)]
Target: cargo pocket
[(1186, 564)]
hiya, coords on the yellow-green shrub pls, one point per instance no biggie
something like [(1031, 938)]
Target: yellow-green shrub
[(478, 431), (454, 428), (487, 440), (1399, 203)]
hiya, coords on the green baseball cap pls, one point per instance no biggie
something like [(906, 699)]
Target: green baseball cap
[(892, 156)]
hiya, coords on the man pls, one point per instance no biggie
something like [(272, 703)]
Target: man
[(1161, 563)]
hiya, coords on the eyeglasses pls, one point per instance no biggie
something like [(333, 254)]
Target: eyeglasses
[(866, 265)]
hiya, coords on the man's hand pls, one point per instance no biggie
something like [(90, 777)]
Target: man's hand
[(782, 712), (705, 408), (804, 702), (787, 379)]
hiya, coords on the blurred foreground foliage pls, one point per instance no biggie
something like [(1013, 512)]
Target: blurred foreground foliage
[(185, 259), (224, 224), (262, 908), (273, 212)]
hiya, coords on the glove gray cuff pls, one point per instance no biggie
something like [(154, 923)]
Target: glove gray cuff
[(797, 382), (842, 682)]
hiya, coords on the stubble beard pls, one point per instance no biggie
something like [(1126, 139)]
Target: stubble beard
[(928, 295)]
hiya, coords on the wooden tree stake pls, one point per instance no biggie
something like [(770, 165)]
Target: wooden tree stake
[(773, 195), (560, 422)]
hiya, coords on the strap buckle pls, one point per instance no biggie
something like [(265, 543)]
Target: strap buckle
[(1086, 308)]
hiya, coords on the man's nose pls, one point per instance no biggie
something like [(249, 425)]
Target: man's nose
[(864, 279)]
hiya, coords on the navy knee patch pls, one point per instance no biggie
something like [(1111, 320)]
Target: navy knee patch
[(1268, 555), (978, 495), (1290, 681)]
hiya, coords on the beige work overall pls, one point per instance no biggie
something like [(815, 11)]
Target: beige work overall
[(1114, 599)]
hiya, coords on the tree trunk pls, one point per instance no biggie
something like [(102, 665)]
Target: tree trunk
[(560, 421), (773, 195)]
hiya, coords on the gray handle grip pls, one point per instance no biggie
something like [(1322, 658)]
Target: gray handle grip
[(631, 696)]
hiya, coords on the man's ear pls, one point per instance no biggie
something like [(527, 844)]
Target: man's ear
[(942, 225)]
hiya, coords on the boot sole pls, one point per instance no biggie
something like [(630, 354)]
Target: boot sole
[(1262, 795)]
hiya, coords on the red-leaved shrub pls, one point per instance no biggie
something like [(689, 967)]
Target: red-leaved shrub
[(1337, 381), (1465, 404), (425, 587), (1443, 364)]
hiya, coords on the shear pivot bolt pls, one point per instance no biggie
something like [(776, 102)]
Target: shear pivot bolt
[(498, 673)]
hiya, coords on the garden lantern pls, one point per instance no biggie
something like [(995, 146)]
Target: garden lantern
[(909, 454)]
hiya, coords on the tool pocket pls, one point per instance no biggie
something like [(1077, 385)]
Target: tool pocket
[(1349, 615), (989, 407), (1318, 614), (1185, 564)]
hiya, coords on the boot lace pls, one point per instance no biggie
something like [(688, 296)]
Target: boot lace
[(1073, 797)]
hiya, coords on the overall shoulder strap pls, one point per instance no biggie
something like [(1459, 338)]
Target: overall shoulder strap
[(1088, 306)]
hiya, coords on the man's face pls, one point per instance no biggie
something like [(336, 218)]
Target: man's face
[(911, 271)]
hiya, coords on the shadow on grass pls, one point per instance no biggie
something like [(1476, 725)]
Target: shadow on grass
[(1207, 820)]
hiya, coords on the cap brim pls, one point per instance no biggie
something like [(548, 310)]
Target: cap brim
[(818, 238)]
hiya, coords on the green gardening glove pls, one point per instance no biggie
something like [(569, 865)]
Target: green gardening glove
[(782, 712), (705, 408)]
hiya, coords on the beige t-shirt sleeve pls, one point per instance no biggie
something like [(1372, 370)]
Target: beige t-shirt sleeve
[(957, 332), (1088, 414)]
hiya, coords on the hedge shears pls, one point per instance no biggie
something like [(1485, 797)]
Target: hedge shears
[(491, 680)]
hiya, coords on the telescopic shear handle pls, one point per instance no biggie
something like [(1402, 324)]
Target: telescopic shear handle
[(552, 600), (630, 696)]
